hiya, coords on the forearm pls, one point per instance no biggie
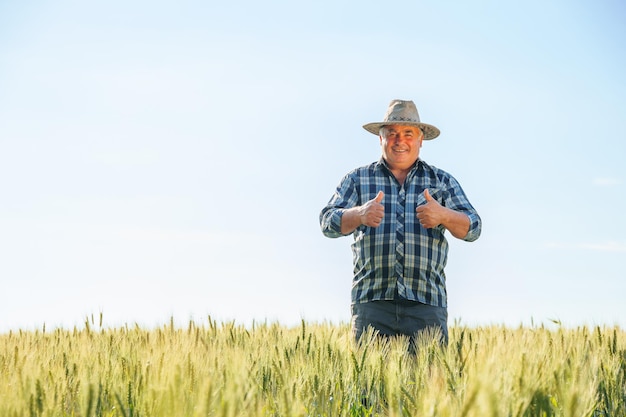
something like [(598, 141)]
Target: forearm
[(456, 223), (350, 220), (369, 214)]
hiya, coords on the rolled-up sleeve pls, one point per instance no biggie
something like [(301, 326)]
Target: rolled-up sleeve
[(458, 201), (330, 221), (476, 225), (345, 197)]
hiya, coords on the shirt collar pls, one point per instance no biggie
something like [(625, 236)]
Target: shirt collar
[(382, 163)]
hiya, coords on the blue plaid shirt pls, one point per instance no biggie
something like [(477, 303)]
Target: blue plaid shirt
[(400, 259)]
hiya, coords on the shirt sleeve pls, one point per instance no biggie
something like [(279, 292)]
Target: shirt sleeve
[(475, 228), (345, 196), (456, 199)]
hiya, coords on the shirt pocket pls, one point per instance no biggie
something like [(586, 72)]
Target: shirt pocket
[(435, 193)]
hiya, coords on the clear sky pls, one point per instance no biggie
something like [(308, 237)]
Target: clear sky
[(170, 159)]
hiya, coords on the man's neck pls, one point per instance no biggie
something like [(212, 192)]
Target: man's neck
[(398, 173)]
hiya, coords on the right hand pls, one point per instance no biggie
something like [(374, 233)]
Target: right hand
[(373, 211)]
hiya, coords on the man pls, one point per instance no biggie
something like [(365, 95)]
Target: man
[(398, 210)]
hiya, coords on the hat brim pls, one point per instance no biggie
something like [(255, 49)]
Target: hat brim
[(430, 131)]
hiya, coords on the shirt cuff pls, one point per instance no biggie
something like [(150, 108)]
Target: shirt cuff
[(332, 226), (475, 228)]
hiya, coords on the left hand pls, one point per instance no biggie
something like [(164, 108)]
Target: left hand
[(431, 214)]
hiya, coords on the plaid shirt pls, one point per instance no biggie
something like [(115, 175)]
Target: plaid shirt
[(399, 259)]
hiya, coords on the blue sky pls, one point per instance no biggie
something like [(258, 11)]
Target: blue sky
[(170, 159)]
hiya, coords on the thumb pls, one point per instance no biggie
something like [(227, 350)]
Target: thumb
[(379, 197), (427, 195)]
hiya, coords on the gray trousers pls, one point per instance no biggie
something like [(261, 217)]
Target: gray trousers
[(399, 318)]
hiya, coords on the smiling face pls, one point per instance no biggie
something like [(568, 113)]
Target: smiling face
[(401, 146)]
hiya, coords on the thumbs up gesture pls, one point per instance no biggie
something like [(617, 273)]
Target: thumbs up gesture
[(373, 211), (430, 214)]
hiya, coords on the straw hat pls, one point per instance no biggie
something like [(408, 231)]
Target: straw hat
[(403, 112)]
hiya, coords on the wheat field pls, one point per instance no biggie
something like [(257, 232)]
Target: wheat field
[(267, 369)]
